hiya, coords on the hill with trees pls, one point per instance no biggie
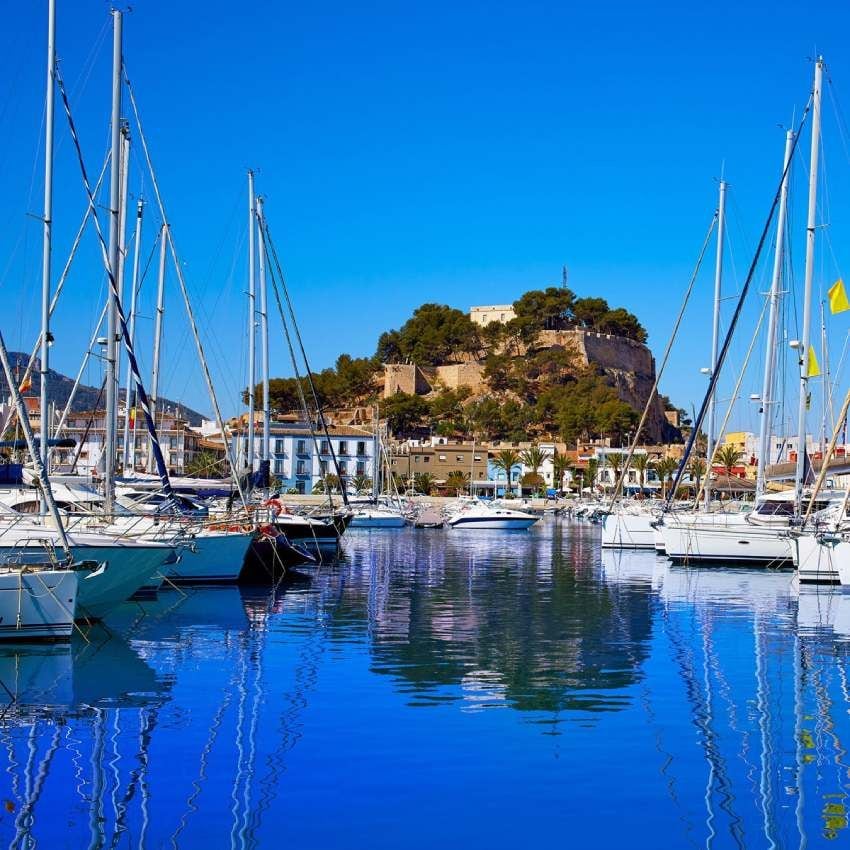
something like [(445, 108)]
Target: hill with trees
[(534, 379)]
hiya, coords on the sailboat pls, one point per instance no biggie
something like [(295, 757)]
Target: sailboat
[(762, 536)]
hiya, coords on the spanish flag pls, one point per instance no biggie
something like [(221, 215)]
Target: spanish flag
[(132, 417), (814, 369), (26, 384), (838, 302)]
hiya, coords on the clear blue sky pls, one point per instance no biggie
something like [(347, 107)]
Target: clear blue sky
[(459, 153)]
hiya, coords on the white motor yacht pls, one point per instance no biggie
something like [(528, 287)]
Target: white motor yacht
[(479, 515)]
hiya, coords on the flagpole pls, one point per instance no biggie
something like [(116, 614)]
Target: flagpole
[(804, 348)]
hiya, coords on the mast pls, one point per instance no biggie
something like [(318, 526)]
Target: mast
[(252, 401), (264, 351), (715, 337), (804, 347), (122, 244), (157, 330), (112, 312), (47, 224), (130, 390), (40, 471), (773, 323), (376, 456)]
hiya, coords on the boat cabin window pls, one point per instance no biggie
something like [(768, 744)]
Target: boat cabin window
[(775, 509)]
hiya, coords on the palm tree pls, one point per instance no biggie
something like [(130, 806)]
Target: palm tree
[(696, 469), (591, 471), (534, 458), (457, 480), (424, 483), (328, 484), (641, 464), (560, 467), (361, 483), (727, 456), (506, 460), (616, 464), (665, 469)]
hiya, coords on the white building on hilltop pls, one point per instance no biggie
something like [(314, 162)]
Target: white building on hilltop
[(494, 313)]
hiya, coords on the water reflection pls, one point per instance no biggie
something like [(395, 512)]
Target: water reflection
[(513, 685)]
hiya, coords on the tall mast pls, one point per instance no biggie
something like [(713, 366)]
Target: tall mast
[(264, 343), (804, 348), (122, 239), (252, 401), (157, 331), (773, 323), (130, 390), (47, 223), (715, 336), (112, 312)]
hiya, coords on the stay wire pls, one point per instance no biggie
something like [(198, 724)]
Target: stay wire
[(732, 325)]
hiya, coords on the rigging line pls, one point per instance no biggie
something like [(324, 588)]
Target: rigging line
[(840, 120), (185, 292), (660, 371), (735, 316), (721, 433), (64, 276), (324, 424), (264, 246), (122, 322)]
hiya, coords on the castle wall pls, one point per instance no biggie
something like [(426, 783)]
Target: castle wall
[(462, 375), (404, 378)]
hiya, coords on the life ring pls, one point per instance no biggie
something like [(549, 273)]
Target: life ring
[(276, 506)]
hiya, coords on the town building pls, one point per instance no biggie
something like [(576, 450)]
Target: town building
[(300, 459), (438, 457), (493, 313)]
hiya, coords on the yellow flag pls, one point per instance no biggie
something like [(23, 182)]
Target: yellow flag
[(838, 302), (814, 369)]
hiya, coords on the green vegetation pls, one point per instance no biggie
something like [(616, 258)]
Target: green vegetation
[(728, 457), (351, 381), (204, 464), (532, 392), (506, 460), (434, 334)]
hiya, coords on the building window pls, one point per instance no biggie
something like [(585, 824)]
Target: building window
[(442, 457), (279, 447), (300, 488), (301, 468), (361, 447), (301, 447), (426, 459), (343, 447), (278, 466), (460, 457), (325, 447), (361, 467), (343, 467), (323, 468)]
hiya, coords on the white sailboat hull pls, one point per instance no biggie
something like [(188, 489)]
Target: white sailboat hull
[(377, 519), (37, 604), (822, 559), (721, 543), (628, 531)]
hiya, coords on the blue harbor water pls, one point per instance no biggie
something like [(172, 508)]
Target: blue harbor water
[(443, 689)]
